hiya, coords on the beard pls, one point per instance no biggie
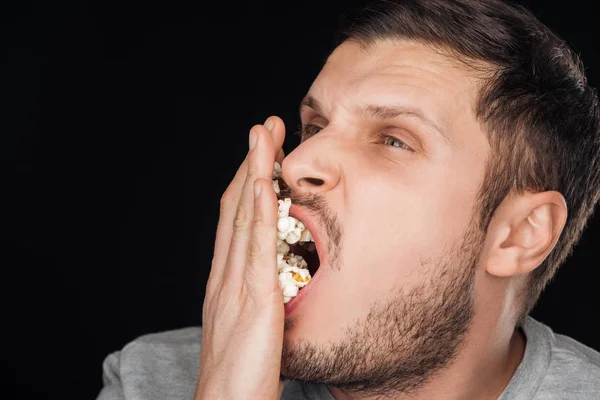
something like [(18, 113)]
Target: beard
[(401, 343)]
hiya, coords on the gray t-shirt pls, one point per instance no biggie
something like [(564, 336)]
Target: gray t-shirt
[(165, 366)]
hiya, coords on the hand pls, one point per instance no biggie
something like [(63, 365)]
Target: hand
[(243, 312)]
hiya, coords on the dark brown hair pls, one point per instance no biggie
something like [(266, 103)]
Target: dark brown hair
[(540, 115)]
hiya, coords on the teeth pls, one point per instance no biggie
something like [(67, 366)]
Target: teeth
[(306, 236), (311, 247)]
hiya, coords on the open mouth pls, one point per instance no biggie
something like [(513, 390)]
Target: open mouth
[(308, 251), (297, 252), (297, 256)]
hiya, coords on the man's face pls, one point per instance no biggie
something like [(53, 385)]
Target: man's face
[(396, 157)]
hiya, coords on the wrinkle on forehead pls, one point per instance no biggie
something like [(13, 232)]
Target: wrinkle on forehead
[(401, 67)]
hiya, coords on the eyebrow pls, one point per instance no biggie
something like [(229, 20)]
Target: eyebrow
[(381, 113)]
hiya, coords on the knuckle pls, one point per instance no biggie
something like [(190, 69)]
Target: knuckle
[(242, 218), (252, 170), (261, 244), (226, 201), (259, 221), (255, 250)]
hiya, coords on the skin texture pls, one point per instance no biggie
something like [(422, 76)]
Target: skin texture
[(243, 314), (412, 300)]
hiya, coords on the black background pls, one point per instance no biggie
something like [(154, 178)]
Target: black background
[(122, 124)]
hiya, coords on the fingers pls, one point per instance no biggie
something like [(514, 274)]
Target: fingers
[(277, 131), (227, 208), (280, 156), (260, 165), (229, 205), (261, 266)]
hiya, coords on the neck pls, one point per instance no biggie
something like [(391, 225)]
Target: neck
[(492, 352)]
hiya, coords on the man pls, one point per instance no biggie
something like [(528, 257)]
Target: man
[(449, 161)]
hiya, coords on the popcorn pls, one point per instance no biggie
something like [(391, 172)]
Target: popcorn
[(276, 170), (292, 269), (289, 229), (284, 207), (282, 247)]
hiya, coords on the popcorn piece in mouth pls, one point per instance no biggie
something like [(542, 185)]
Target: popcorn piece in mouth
[(292, 269)]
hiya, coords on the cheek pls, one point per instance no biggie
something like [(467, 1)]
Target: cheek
[(397, 224), (390, 233), (455, 191)]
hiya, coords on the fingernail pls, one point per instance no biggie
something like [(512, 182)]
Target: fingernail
[(269, 123), (257, 189), (252, 140)]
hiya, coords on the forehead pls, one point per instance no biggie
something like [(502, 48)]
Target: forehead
[(397, 72)]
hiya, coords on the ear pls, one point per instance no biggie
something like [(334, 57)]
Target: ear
[(523, 231)]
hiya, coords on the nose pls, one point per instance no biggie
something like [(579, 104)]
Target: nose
[(311, 167)]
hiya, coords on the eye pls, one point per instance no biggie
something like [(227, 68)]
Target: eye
[(394, 142), (306, 131), (309, 130)]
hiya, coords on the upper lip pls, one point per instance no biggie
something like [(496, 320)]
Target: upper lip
[(309, 222)]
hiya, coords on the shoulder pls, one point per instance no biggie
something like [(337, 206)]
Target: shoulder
[(575, 365), (573, 369), (175, 352), (159, 365), (167, 343), (165, 365)]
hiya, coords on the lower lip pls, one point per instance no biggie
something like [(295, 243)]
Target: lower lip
[(293, 304)]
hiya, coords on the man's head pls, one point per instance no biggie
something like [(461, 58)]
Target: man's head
[(440, 142)]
